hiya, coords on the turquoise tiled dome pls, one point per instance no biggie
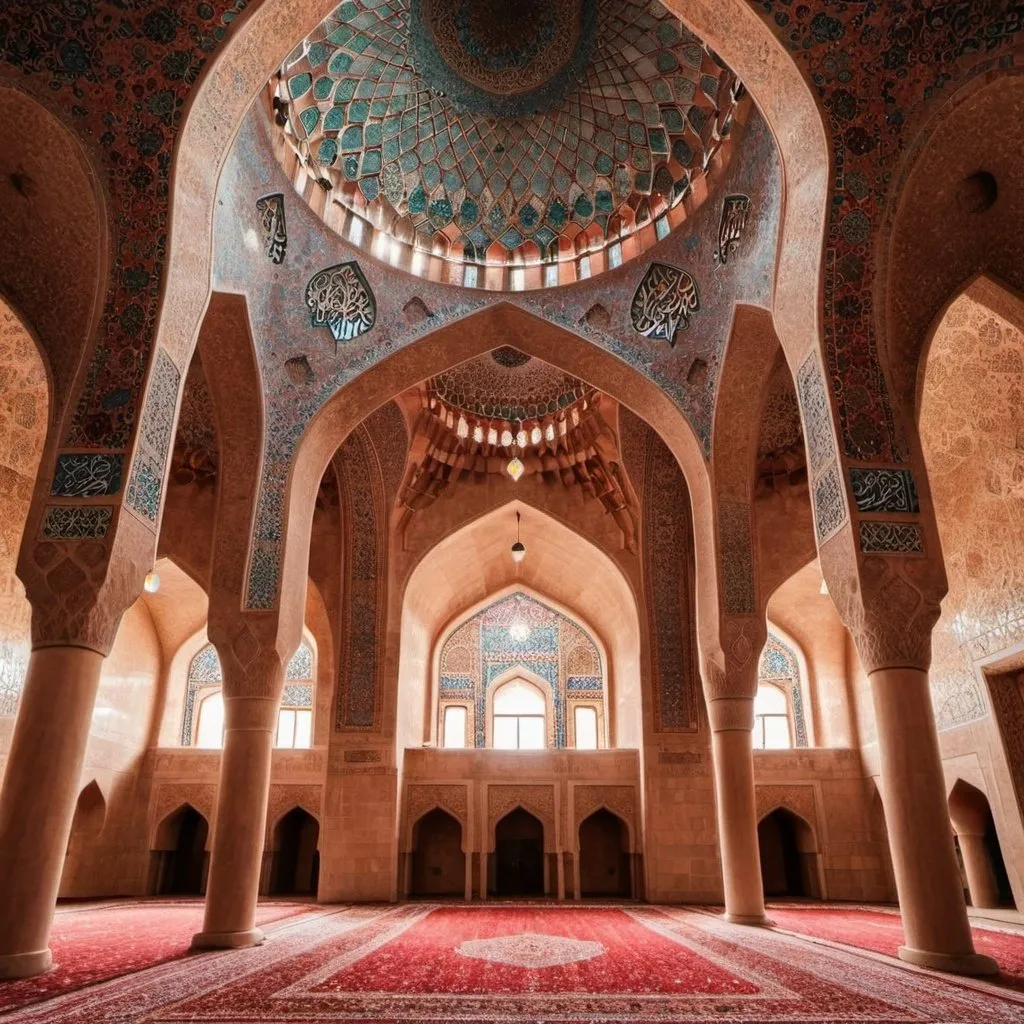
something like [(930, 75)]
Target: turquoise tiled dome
[(511, 122)]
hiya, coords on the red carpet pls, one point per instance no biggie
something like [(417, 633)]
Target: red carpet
[(882, 932), (424, 964), (93, 943)]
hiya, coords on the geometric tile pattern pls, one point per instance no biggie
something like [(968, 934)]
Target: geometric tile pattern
[(483, 648), (829, 503), (817, 415), (737, 557), (154, 441), (492, 125), (669, 586), (890, 538)]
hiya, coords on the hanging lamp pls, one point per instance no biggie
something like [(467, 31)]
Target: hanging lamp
[(519, 548)]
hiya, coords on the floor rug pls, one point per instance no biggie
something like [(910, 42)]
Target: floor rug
[(882, 932), (96, 942), (428, 963)]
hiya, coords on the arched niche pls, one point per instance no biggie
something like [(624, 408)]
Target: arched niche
[(562, 570), (24, 418), (790, 858), (478, 653)]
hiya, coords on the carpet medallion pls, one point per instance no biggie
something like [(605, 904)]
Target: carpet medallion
[(426, 963)]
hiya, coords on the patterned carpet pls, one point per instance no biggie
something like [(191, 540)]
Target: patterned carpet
[(97, 942), (881, 931), (426, 963)]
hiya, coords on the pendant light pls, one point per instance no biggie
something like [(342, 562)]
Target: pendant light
[(519, 548), (152, 583)]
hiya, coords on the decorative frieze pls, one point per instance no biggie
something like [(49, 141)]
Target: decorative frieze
[(87, 475), (76, 522), (890, 538), (145, 485), (884, 490)]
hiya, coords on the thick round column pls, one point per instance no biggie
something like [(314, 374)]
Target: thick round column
[(981, 879), (37, 804), (232, 889), (732, 723), (935, 924)]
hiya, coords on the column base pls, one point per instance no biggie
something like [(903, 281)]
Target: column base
[(751, 920), (228, 940), (974, 964), (25, 965)]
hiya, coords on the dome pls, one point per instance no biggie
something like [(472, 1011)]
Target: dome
[(510, 132)]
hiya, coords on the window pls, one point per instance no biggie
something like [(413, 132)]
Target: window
[(519, 711), (469, 276), (615, 255), (661, 227), (454, 728), (518, 279), (294, 728), (771, 719), (584, 267), (550, 275), (586, 728), (210, 732)]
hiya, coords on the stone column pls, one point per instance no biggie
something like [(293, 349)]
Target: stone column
[(37, 803), (938, 934), (233, 887), (981, 879), (732, 724)]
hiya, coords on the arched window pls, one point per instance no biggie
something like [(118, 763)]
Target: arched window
[(771, 719), (779, 668), (519, 717), (585, 724), (203, 720), (210, 731), (454, 727)]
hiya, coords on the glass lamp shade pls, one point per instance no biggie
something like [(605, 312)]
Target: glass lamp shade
[(515, 468), (518, 551), (152, 583)]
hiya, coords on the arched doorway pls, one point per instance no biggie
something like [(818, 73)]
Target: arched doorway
[(981, 857), (789, 856), (86, 826), (519, 855), (295, 867), (438, 862), (178, 861), (604, 856)]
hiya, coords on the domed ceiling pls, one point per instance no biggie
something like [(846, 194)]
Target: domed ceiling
[(497, 129)]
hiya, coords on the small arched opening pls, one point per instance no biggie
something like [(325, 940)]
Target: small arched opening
[(789, 856), (604, 856), (438, 860), (518, 863), (295, 860), (86, 826), (981, 858), (179, 861)]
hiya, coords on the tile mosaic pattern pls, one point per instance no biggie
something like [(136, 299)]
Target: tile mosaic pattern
[(829, 503), (363, 521), (205, 670), (557, 649), (890, 538), (87, 475), (737, 558), (505, 128), (883, 490), (779, 665), (669, 586), (145, 486)]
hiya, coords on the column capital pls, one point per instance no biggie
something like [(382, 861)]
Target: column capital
[(889, 603), (731, 714), (252, 664)]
